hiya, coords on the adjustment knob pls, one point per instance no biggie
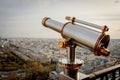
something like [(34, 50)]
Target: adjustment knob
[(62, 43)]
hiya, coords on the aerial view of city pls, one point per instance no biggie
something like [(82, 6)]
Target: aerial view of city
[(20, 57), (59, 40)]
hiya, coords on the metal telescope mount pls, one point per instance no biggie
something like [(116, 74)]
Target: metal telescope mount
[(77, 35), (70, 65)]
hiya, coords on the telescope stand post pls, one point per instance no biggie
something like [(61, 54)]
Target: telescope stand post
[(71, 72), (71, 65), (71, 54)]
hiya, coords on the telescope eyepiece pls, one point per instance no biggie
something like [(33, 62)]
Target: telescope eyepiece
[(44, 21)]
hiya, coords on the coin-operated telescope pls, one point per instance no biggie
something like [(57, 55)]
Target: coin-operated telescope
[(79, 33)]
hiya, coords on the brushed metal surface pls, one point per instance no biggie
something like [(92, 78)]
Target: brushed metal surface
[(81, 35)]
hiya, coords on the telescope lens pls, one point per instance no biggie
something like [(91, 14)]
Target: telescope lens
[(105, 41), (103, 45)]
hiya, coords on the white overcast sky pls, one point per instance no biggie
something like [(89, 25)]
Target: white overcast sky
[(22, 18)]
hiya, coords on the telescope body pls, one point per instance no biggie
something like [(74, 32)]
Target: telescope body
[(80, 35)]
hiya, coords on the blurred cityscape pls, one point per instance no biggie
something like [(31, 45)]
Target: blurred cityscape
[(47, 50)]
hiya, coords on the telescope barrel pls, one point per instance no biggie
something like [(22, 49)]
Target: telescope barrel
[(89, 24), (86, 23), (55, 25), (81, 35)]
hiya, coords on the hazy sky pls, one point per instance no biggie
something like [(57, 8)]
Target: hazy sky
[(22, 18)]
